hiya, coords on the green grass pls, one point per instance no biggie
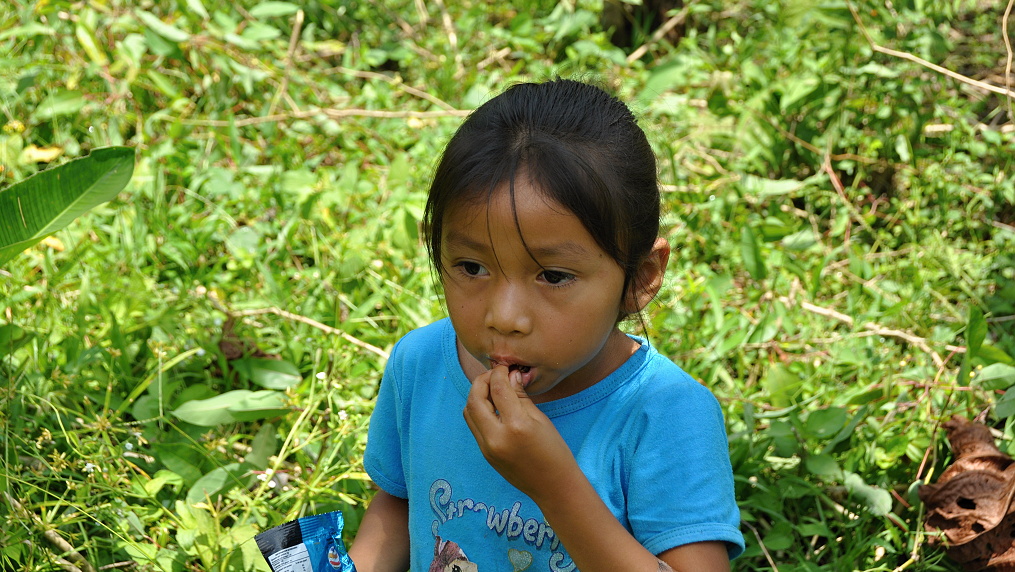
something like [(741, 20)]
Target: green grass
[(266, 179)]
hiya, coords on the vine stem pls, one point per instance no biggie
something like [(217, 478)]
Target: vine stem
[(1005, 91)]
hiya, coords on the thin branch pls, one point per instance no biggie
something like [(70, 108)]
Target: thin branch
[(294, 39), (1008, 60), (331, 113), (879, 330), (673, 22), (492, 57), (54, 538), (449, 29), (297, 318), (64, 565), (920, 61), (762, 545), (395, 81)]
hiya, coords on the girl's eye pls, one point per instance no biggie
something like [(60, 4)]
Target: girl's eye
[(471, 268), (557, 278)]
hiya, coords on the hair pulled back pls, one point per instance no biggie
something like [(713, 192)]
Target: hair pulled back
[(576, 144)]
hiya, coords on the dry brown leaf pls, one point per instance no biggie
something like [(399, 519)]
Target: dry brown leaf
[(971, 504)]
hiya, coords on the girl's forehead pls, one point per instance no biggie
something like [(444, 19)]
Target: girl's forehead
[(532, 221), (524, 199)]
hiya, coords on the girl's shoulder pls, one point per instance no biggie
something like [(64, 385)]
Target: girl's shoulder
[(424, 342), (664, 386)]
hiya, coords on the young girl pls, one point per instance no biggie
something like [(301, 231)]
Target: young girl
[(581, 447)]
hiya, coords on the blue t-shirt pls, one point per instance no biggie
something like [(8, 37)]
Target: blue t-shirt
[(650, 439)]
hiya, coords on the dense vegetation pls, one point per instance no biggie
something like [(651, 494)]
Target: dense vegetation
[(195, 361)]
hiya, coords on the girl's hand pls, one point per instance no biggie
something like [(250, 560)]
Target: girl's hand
[(521, 443), (516, 438)]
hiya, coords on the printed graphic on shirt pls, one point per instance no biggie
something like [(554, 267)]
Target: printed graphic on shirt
[(537, 539), (448, 557)]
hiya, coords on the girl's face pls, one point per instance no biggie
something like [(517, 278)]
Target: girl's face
[(553, 320)]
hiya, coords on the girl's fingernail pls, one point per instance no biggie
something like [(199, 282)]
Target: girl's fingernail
[(516, 378)]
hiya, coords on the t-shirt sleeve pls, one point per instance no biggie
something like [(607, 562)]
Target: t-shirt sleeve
[(383, 457), (680, 487)]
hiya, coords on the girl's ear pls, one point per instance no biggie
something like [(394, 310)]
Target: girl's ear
[(649, 277)]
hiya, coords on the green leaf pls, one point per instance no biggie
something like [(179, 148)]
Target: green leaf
[(268, 373), (990, 353), (259, 405), (171, 33), (62, 102), (902, 148), (212, 411), (232, 406), (797, 89), (90, 45), (782, 385), (258, 32), (774, 229), (27, 31), (198, 8), (800, 240), (273, 9), (264, 445), (996, 376), (823, 466), (825, 423), (13, 337), (217, 481), (780, 537), (50, 200), (161, 479), (751, 253), (1005, 407), (243, 243), (877, 500), (755, 185), (976, 331)]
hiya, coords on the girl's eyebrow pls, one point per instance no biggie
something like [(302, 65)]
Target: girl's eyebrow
[(458, 239), (562, 249)]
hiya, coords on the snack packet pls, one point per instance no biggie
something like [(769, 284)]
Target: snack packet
[(309, 544)]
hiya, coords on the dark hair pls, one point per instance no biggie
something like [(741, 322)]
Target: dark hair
[(577, 144)]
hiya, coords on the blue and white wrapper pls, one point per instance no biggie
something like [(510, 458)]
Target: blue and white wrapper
[(309, 544)]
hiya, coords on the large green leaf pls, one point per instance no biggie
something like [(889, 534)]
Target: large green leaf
[(48, 201), (232, 406)]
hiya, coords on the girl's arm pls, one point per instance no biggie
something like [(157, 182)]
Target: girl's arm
[(523, 445), (382, 543), (596, 540)]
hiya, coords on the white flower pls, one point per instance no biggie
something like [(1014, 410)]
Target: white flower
[(128, 446), (321, 375), (89, 467), (342, 414)]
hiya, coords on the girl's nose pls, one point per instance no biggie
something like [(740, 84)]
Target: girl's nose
[(507, 312)]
